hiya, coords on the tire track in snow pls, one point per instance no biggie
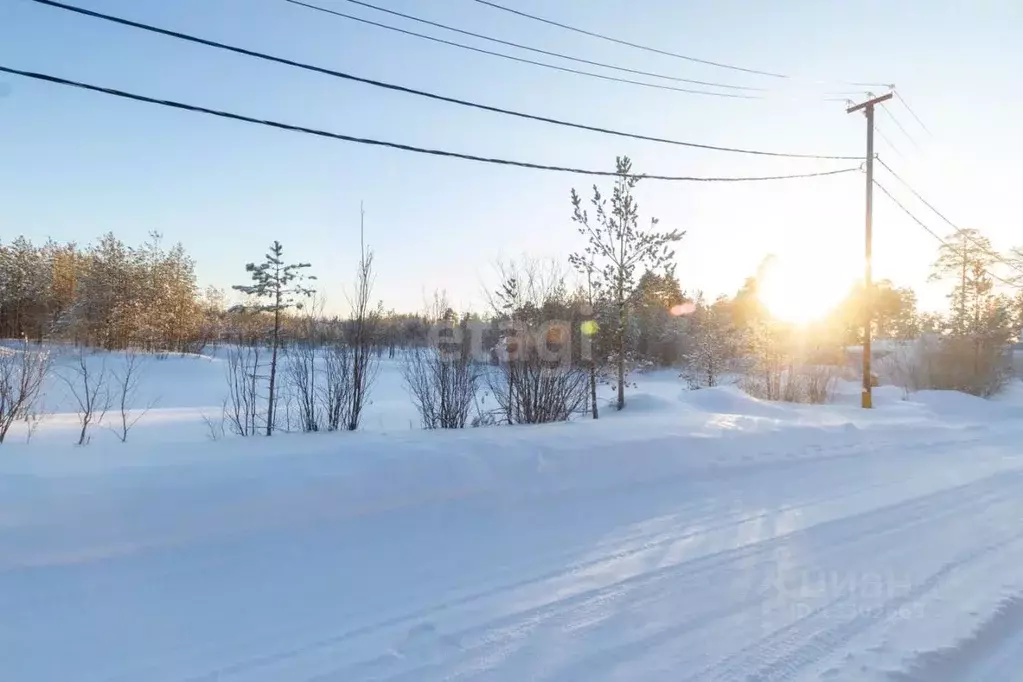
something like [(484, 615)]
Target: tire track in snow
[(214, 561), (950, 502), (583, 668), (790, 651), (499, 591), (276, 634)]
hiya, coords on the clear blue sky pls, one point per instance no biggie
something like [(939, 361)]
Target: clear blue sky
[(75, 164)]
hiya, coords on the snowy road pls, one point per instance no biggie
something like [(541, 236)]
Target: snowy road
[(825, 555)]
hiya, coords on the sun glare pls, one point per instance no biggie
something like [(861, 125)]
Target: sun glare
[(799, 294)]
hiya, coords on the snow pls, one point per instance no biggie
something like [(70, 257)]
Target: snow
[(698, 535)]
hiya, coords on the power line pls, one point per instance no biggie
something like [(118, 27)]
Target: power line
[(647, 48), (619, 41), (888, 141), (933, 233), (911, 112), (533, 49), (523, 60), (395, 145), (910, 214), (430, 95), (900, 127), (941, 215), (918, 195)]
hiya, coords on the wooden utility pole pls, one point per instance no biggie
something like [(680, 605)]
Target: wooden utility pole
[(866, 399)]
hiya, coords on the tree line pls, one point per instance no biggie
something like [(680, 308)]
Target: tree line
[(108, 294), (550, 333)]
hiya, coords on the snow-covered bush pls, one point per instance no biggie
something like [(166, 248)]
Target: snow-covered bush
[(781, 366), (713, 345), (799, 383), (959, 364)]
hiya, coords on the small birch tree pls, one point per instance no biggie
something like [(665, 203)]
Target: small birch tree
[(617, 247), (89, 385)]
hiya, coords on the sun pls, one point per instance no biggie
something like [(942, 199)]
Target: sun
[(800, 292)]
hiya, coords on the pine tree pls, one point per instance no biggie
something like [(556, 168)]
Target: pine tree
[(894, 314), (658, 327), (280, 284), (980, 322), (616, 248), (965, 257), (24, 281)]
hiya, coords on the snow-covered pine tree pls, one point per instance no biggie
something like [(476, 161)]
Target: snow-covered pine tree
[(713, 343), (23, 286)]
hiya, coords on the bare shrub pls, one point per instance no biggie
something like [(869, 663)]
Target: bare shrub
[(33, 420), (90, 387), (22, 373), (360, 337), (799, 383), (284, 412), (301, 373), (817, 383), (907, 366), (307, 403), (125, 387), (443, 385), (972, 366), (335, 392), (532, 392), (766, 364), (242, 371), (537, 378), (781, 367), (964, 364), (215, 427), (536, 381)]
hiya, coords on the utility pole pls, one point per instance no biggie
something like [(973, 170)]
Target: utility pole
[(866, 398)]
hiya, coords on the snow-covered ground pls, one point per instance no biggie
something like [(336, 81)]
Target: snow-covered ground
[(179, 392), (697, 536)]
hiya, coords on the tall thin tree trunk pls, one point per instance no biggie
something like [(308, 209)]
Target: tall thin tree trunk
[(511, 390), (621, 309), (962, 300), (357, 367), (621, 347), (273, 365), (593, 388)]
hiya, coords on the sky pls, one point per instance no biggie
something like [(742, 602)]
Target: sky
[(76, 164)]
